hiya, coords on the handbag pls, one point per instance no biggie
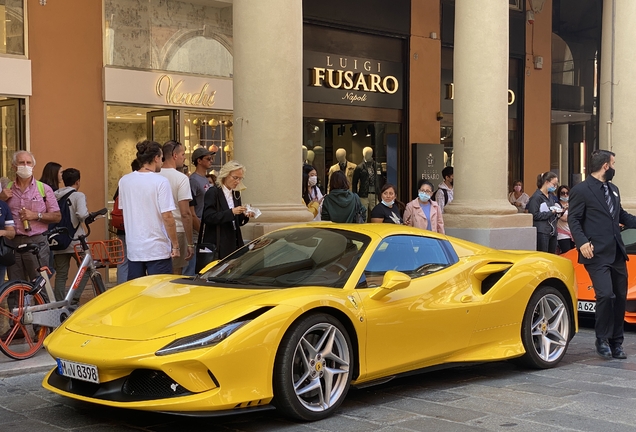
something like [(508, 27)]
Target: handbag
[(360, 215), (7, 253), (207, 252)]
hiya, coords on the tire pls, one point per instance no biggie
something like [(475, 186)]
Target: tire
[(98, 283), (312, 370), (18, 340), (546, 329)]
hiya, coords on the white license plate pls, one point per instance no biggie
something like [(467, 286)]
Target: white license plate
[(586, 306), (80, 371)]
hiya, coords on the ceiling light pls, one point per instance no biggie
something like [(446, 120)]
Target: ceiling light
[(117, 117), (138, 114), (354, 130), (367, 131), (341, 130)]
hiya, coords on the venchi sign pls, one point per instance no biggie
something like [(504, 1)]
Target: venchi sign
[(332, 78)]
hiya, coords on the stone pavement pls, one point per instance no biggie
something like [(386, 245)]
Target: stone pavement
[(584, 393)]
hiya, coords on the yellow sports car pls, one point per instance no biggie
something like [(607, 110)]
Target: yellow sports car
[(294, 318)]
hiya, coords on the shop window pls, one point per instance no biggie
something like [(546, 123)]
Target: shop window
[(12, 27), (11, 133), (182, 36), (212, 131)]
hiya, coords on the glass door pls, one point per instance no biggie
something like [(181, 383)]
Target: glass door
[(162, 125), (11, 132)]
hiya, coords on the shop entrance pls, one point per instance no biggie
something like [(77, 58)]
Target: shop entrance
[(161, 126), (12, 132), (366, 146)]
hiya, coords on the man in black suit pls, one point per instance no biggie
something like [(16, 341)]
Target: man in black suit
[(595, 213)]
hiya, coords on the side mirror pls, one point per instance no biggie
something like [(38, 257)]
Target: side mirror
[(393, 281)]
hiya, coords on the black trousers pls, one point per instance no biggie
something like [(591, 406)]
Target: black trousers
[(610, 287), (546, 243)]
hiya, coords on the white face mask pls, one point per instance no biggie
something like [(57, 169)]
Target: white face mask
[(24, 171), (313, 180)]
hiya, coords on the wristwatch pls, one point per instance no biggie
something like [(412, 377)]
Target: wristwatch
[(39, 217)]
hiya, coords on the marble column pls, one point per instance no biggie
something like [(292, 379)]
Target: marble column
[(268, 107), (480, 211), (618, 94)]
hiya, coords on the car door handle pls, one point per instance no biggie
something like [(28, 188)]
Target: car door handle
[(466, 299)]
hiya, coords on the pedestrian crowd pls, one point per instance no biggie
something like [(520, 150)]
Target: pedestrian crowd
[(172, 223)]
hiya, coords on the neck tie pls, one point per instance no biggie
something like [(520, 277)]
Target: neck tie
[(608, 199)]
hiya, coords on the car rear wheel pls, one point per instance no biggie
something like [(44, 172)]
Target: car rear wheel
[(313, 368), (546, 329)]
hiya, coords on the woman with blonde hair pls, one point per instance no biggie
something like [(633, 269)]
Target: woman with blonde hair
[(223, 212)]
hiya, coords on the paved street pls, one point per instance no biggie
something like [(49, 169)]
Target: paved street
[(585, 393)]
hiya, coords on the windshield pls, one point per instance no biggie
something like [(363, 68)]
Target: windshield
[(292, 258)]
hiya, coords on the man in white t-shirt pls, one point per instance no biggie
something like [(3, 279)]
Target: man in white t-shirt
[(173, 158), (146, 201)]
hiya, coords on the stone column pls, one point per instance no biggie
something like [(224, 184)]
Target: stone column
[(268, 109), (618, 94), (480, 211)]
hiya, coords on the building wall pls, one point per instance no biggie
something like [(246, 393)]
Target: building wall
[(424, 73), (537, 97), (66, 112)]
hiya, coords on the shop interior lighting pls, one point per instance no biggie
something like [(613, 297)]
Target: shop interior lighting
[(354, 130), (341, 130), (367, 131)]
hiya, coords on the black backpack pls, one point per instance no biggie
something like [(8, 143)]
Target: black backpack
[(60, 241), (445, 195)]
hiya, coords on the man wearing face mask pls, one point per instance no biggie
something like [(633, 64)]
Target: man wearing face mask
[(595, 215), (34, 207)]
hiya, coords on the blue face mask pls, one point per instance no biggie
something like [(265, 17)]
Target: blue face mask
[(424, 196), (388, 204), (551, 189), (564, 199)]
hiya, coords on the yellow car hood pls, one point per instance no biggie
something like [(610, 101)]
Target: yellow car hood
[(161, 308)]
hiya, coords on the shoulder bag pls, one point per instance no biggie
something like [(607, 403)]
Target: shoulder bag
[(207, 252)]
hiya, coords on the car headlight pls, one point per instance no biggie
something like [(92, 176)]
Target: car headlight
[(202, 340)]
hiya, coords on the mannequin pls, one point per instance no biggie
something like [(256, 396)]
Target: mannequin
[(364, 179), (310, 157), (343, 165), (305, 154)]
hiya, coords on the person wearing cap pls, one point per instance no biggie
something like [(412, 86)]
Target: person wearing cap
[(202, 159)]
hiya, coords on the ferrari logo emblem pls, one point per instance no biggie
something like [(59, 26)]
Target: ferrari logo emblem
[(318, 366)]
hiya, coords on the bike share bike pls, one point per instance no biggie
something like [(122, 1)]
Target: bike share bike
[(26, 313)]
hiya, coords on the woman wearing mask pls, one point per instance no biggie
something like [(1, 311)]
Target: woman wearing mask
[(518, 197), (311, 193), (223, 209), (544, 212), (340, 204), (422, 212), (564, 237), (389, 210)]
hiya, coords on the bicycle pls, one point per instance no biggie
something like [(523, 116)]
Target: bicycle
[(26, 313)]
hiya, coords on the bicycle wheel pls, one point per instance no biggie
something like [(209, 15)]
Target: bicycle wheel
[(98, 283), (18, 340)]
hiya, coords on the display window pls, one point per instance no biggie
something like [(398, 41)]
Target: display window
[(12, 27), (12, 128), (366, 151)]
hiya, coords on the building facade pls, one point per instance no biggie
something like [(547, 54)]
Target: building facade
[(501, 91)]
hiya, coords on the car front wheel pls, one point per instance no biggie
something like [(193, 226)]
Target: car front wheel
[(313, 368), (546, 329)]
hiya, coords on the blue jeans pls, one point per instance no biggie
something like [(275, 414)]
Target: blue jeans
[(122, 269), (137, 269), (188, 270)]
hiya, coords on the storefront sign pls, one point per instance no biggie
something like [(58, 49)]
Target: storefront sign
[(338, 79), (167, 89), (428, 163), (450, 94)]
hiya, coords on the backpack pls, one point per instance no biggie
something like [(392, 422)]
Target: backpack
[(445, 195), (40, 186), (61, 241), (117, 216)]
